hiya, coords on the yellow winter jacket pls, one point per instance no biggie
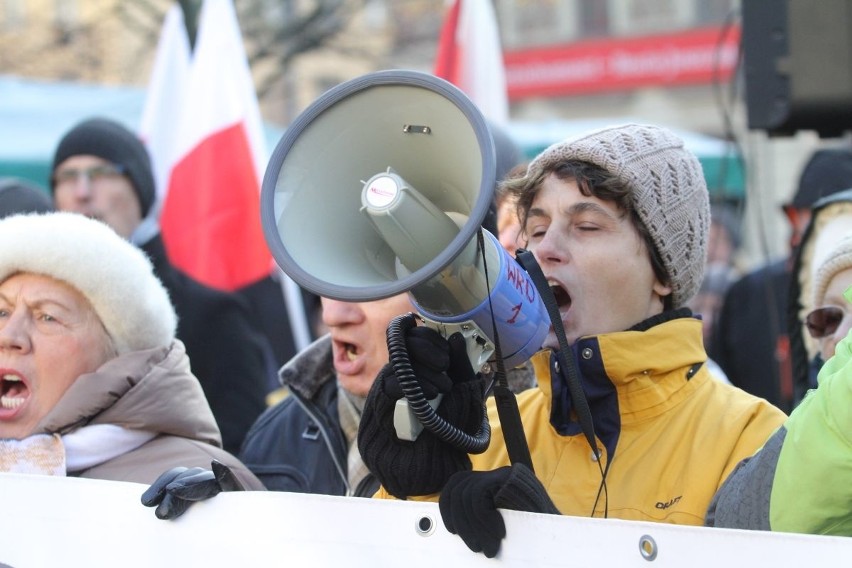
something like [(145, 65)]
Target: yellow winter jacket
[(671, 431)]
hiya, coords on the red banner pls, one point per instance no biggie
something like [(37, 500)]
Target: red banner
[(701, 55)]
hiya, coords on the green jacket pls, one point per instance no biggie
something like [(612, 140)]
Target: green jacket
[(800, 480)]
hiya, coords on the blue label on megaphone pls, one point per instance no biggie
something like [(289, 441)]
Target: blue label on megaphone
[(518, 311)]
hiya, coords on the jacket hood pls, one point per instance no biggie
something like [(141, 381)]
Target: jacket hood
[(152, 390)]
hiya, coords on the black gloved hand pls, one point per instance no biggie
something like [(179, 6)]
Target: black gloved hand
[(438, 363), (470, 500), (422, 467), (175, 490)]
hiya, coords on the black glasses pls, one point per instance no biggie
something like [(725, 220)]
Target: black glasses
[(822, 322), (69, 176)]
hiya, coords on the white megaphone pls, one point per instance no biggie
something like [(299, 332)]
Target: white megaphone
[(380, 187)]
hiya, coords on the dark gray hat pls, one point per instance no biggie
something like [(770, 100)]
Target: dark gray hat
[(111, 141), (20, 196), (828, 171)]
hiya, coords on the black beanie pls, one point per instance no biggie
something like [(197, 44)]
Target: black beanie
[(111, 141), (828, 171), (20, 196)]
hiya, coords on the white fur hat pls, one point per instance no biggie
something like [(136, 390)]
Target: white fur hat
[(115, 276), (835, 262)]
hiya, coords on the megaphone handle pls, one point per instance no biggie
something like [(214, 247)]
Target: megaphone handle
[(417, 402), (480, 349), (405, 422)]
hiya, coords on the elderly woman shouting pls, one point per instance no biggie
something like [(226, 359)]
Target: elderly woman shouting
[(92, 381)]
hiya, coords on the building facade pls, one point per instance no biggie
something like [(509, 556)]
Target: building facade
[(672, 62)]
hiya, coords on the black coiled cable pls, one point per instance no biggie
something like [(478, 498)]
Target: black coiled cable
[(446, 432)]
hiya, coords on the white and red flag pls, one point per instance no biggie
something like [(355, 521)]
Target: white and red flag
[(203, 127), (470, 56), (164, 99)]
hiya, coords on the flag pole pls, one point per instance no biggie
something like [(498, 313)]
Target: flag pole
[(300, 326), (191, 9)]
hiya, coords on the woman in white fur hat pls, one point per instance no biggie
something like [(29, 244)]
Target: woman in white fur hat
[(831, 318), (830, 222), (93, 382)]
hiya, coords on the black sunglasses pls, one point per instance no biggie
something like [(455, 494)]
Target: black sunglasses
[(822, 322)]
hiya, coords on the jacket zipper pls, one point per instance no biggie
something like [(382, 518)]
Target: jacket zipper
[(308, 406)]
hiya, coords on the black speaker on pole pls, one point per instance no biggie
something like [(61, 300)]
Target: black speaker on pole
[(798, 65)]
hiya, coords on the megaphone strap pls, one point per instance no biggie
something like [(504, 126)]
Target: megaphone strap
[(507, 404), (584, 414)]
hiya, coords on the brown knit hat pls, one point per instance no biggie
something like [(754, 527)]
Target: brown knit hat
[(838, 260), (668, 188)]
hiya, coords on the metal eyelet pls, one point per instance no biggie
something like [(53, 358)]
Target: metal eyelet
[(648, 547), (425, 525)]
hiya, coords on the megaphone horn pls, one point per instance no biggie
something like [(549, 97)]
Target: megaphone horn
[(423, 128), (380, 187)]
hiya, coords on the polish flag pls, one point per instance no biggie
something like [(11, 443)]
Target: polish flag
[(470, 57), (210, 218)]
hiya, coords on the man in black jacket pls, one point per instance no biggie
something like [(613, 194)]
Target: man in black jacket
[(102, 170), (306, 443)]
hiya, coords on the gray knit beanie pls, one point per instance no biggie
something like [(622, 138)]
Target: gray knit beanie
[(109, 140), (668, 187), (115, 276)]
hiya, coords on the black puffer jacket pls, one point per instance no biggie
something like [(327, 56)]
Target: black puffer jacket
[(298, 445), (225, 350)]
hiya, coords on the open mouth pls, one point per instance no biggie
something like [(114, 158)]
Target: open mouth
[(563, 299), (349, 358), (13, 391), (350, 351)]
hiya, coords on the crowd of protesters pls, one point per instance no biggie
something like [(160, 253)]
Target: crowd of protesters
[(651, 310)]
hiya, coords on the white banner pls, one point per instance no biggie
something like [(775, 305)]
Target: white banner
[(50, 522)]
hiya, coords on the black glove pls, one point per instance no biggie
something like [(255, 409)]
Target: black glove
[(438, 363), (175, 490), (422, 467), (470, 500)]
